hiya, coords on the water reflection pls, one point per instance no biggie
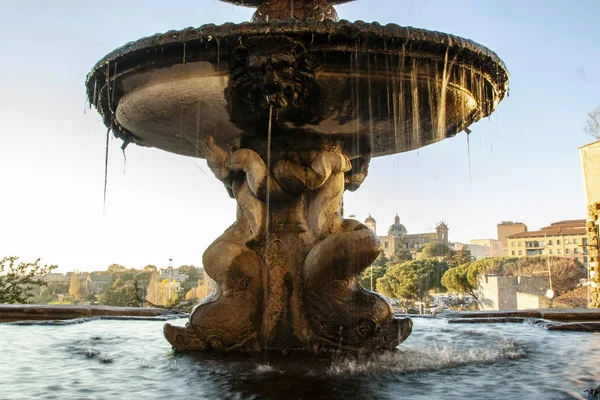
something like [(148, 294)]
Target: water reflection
[(108, 359)]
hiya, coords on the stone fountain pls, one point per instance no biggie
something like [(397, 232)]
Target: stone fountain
[(288, 111)]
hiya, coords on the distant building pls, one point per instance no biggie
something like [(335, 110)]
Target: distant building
[(507, 228), (512, 292), (399, 239), (590, 168), (485, 248), (561, 239)]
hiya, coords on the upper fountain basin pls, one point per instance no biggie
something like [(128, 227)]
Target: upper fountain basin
[(396, 88)]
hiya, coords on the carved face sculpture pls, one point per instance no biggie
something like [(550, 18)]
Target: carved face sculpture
[(356, 320), (272, 71)]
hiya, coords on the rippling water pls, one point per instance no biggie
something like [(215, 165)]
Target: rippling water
[(130, 359)]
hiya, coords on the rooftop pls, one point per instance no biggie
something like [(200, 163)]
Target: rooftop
[(560, 228)]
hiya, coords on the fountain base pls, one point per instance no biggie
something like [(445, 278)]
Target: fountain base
[(286, 270)]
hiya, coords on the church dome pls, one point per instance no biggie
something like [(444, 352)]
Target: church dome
[(370, 220), (397, 229)]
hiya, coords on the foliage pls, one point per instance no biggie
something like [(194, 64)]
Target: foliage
[(150, 268), (412, 280), (566, 273), (401, 256), (434, 250), (194, 273), (122, 294), (206, 286), (592, 125), (370, 275), (17, 281), (77, 289), (115, 269), (459, 257), (162, 292), (381, 260), (457, 279)]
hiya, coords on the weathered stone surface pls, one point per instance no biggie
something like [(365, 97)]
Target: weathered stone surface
[(564, 315), (26, 312), (396, 88), (286, 270)]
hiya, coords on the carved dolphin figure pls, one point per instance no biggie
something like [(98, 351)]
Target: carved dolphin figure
[(342, 314)]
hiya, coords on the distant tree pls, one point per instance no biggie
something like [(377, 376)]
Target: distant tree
[(115, 269), (194, 273), (435, 250), (460, 279), (592, 126), (566, 273), (370, 275), (150, 268), (77, 289), (412, 280), (206, 286), (401, 256), (459, 257), (162, 292), (17, 281), (381, 260), (121, 294)]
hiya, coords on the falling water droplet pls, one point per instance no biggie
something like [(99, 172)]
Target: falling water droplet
[(469, 154), (105, 170)]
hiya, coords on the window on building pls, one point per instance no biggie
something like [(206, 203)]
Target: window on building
[(514, 244), (566, 241), (574, 241), (513, 252), (520, 244), (549, 242), (558, 241), (585, 260), (559, 251), (584, 240), (386, 245), (576, 251), (520, 252), (551, 251), (566, 251)]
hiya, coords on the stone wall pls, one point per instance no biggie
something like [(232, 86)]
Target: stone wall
[(501, 292), (593, 224)]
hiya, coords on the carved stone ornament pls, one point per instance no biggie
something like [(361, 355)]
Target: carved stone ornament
[(273, 71)]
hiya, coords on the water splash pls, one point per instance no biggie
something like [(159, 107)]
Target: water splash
[(431, 358)]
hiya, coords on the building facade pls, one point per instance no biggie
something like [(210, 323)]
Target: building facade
[(507, 228), (590, 168), (398, 239), (484, 248), (560, 239)]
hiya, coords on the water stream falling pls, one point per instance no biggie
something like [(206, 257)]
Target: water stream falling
[(268, 212)]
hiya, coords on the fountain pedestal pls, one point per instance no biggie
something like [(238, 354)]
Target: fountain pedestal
[(286, 270)]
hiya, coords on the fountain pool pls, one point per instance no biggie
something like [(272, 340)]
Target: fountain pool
[(130, 359)]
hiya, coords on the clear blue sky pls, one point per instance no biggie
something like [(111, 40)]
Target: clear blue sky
[(524, 160)]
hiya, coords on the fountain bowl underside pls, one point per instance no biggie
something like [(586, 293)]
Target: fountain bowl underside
[(394, 88)]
